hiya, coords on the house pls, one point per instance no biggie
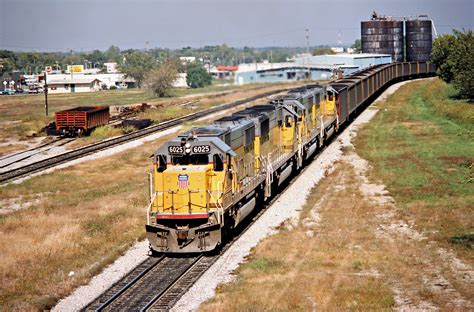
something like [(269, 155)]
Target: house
[(82, 84)]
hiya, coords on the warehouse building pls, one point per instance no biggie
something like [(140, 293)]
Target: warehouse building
[(360, 61), (319, 67), (280, 72), (83, 84)]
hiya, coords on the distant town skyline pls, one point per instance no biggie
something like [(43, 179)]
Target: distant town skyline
[(86, 25)]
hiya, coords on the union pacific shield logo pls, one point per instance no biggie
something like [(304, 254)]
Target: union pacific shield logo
[(183, 181)]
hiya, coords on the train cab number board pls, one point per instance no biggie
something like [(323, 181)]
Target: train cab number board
[(201, 149), (176, 149)]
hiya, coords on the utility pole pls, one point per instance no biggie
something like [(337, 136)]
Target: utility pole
[(45, 93), (307, 53), (271, 59)]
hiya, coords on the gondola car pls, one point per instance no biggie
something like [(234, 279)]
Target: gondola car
[(81, 120)]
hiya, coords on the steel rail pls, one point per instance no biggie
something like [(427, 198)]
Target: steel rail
[(173, 284), (30, 149), (128, 285), (38, 150)]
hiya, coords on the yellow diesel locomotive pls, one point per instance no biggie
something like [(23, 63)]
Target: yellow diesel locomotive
[(206, 181)]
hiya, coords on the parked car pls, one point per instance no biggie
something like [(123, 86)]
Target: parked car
[(8, 92), (34, 90)]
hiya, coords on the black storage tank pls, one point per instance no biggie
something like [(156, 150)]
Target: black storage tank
[(419, 40), (383, 36)]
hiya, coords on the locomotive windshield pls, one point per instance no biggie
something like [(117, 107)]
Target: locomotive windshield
[(193, 159)]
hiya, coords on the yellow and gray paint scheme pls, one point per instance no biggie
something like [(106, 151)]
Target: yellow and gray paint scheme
[(206, 181)]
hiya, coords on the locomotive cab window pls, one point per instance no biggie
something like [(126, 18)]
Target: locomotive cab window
[(218, 162), (193, 159), (288, 121), (161, 163)]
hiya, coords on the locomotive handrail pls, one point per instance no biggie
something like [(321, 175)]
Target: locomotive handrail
[(148, 210), (220, 208)]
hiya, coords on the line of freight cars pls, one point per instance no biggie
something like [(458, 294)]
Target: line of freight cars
[(206, 181)]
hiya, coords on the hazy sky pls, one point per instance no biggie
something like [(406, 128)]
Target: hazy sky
[(84, 25)]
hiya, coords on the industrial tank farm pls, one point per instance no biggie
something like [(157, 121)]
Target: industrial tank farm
[(405, 40), (206, 181)]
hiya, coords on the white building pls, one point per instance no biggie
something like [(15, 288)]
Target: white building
[(82, 84), (107, 80), (187, 59), (181, 82), (111, 67)]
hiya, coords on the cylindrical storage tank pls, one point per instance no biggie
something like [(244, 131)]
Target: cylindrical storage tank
[(383, 37), (419, 40)]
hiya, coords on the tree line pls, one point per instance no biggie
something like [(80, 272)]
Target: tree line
[(155, 69), (453, 56), (35, 62)]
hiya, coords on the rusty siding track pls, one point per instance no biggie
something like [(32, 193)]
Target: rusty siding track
[(17, 173)]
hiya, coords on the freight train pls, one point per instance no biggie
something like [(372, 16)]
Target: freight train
[(207, 181)]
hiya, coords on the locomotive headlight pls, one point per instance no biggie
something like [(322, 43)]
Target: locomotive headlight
[(187, 150), (187, 145)]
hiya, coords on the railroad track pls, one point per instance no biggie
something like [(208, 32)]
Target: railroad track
[(13, 174), (29, 150), (153, 280), (149, 283), (12, 159), (159, 282)]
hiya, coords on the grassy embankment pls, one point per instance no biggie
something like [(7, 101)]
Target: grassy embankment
[(80, 219), (420, 146), (423, 151)]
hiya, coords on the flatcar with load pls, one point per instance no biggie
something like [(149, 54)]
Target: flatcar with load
[(207, 181), (81, 120)]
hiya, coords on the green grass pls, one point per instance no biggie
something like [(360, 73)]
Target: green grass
[(264, 264), (104, 132), (421, 146)]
